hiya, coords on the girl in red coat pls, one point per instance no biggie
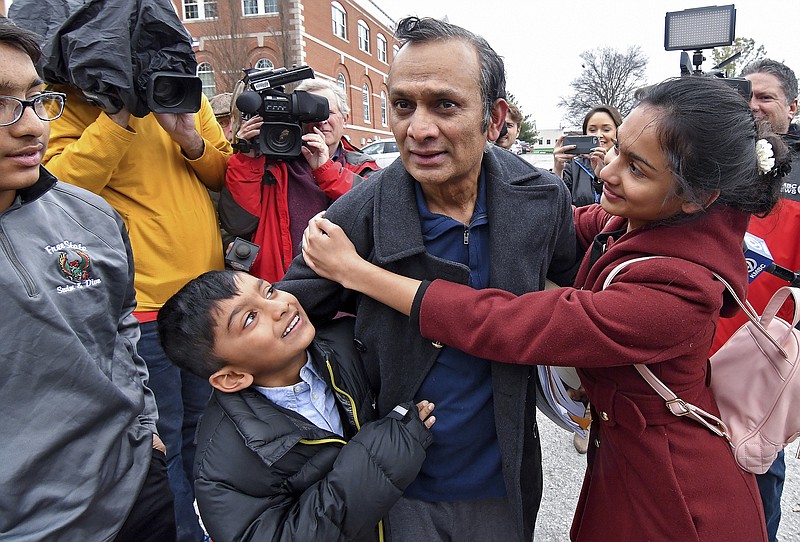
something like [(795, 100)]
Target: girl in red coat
[(692, 166)]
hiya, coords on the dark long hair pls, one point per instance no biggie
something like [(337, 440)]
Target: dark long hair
[(709, 135), (610, 110)]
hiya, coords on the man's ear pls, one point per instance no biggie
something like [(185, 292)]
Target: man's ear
[(230, 380), (792, 109), (499, 110)]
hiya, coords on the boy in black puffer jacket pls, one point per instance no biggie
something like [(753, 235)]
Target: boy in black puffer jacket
[(281, 450)]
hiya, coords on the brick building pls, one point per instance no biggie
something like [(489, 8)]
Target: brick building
[(350, 42)]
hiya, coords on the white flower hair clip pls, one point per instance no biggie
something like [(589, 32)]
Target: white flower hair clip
[(765, 156)]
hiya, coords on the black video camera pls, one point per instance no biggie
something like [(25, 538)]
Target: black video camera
[(740, 84), (173, 92), (283, 114)]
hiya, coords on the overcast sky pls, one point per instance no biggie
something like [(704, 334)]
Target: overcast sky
[(540, 40)]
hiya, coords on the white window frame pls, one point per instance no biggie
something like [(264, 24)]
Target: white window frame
[(340, 22), (263, 7), (365, 100), (381, 47), (204, 69), (340, 79), (383, 108), (264, 64), (204, 9), (363, 36)]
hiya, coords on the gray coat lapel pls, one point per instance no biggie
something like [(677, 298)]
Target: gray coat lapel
[(398, 233)]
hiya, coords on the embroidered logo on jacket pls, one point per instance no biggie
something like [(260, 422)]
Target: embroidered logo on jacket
[(75, 264)]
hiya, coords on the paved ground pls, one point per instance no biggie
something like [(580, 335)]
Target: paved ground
[(563, 474), (544, 161)]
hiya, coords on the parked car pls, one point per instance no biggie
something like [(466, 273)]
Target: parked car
[(526, 147), (516, 147), (383, 151)]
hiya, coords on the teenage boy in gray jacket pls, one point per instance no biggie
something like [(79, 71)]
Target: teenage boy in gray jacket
[(80, 459)]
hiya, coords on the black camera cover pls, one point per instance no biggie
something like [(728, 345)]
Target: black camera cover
[(107, 48)]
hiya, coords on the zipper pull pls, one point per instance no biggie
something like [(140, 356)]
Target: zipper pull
[(466, 236)]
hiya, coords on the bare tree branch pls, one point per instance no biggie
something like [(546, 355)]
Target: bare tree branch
[(233, 43), (608, 77), (750, 53)]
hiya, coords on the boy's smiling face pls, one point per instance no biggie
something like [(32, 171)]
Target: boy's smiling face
[(262, 332)]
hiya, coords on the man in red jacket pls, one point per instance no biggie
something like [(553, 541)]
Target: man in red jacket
[(774, 99), (271, 201)]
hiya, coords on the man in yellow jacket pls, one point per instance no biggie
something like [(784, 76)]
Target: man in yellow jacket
[(155, 171)]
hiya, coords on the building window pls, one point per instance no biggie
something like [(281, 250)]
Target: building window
[(206, 74), (381, 48), (365, 97), (259, 7), (363, 36), (383, 108), (342, 83), (264, 64), (199, 9), (339, 16)]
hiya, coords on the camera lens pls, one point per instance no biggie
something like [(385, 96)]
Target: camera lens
[(168, 92), (281, 139)]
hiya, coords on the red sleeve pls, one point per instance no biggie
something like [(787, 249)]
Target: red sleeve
[(243, 179), (589, 221), (779, 230), (333, 178), (652, 312)]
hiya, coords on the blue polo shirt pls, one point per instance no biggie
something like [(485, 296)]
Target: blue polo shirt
[(463, 463)]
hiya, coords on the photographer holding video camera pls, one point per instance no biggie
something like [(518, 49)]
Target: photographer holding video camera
[(292, 162)]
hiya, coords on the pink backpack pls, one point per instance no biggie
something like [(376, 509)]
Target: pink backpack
[(754, 379)]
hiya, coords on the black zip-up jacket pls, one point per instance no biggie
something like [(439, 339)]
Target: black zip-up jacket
[(266, 473)]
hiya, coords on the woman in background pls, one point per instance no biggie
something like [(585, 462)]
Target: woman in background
[(581, 173)]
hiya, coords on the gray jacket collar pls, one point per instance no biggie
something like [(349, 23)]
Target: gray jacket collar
[(398, 233)]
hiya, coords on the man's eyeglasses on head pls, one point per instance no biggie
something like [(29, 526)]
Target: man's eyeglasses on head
[(47, 106)]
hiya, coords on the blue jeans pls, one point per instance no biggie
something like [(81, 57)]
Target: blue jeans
[(770, 484), (181, 398)]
